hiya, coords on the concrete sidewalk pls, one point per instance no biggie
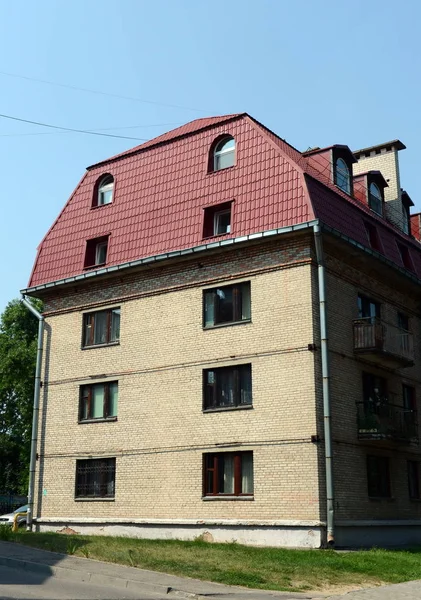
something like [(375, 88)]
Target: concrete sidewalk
[(51, 564)]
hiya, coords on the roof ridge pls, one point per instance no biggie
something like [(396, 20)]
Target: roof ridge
[(169, 136)]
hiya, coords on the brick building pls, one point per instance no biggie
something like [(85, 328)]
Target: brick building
[(189, 385)]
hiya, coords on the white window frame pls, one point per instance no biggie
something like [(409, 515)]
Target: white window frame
[(216, 219), (217, 153), (342, 172), (98, 250), (103, 188)]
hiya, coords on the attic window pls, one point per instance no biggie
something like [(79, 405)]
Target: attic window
[(96, 252), (342, 176), (375, 198), (373, 237), (217, 220), (224, 154), (104, 191), (405, 256)]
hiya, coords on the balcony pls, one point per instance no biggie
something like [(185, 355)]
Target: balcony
[(383, 343), (378, 420)]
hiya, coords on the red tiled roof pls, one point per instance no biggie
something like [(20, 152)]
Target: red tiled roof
[(160, 196), (162, 188), (186, 129)]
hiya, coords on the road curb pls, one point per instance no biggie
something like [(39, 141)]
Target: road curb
[(87, 577)]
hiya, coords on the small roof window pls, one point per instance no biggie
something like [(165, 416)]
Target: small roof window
[(342, 176), (105, 191), (375, 198), (224, 154)]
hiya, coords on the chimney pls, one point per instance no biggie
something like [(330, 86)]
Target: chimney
[(384, 158), (416, 226)]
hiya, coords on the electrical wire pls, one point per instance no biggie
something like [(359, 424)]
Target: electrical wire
[(85, 131), (101, 93), (90, 129)]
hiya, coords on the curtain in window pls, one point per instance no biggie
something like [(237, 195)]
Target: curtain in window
[(100, 328), (209, 308), (115, 325), (97, 401), (246, 385), (245, 301), (226, 387), (113, 398), (228, 474), (247, 473)]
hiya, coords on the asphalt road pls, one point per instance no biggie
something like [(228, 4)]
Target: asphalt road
[(20, 585)]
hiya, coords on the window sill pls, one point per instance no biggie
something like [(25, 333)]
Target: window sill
[(94, 499), (381, 499), (102, 420), (227, 408), (100, 345), (219, 325), (213, 172), (226, 498), (100, 205), (99, 265)]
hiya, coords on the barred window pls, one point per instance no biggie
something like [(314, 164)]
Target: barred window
[(227, 387), (98, 401), (102, 327), (95, 478)]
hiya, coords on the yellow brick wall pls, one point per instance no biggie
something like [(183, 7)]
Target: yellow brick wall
[(161, 432)]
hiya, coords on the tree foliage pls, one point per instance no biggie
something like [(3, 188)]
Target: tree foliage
[(18, 347)]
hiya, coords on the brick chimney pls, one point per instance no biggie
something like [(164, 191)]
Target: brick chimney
[(416, 226), (384, 158)]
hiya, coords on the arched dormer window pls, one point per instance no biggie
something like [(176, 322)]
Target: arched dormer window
[(223, 154), (105, 189), (342, 176), (375, 198)]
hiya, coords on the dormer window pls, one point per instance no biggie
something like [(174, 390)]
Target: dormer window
[(217, 220), (104, 192), (224, 154), (96, 252), (342, 176), (375, 198)]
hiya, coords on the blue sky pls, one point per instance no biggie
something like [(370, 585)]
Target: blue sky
[(317, 72)]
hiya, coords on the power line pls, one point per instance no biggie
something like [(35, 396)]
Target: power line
[(99, 92), (85, 131), (91, 129)]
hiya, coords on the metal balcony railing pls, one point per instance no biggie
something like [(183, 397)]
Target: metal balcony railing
[(374, 336), (380, 420)]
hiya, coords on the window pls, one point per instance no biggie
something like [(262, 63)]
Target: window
[(224, 154), (95, 478), (375, 394), (378, 477), (373, 237), (414, 479), (227, 304), (368, 308), (104, 192), (403, 321), (228, 474), (222, 222), (342, 177), (227, 387), (217, 220), (98, 401), (405, 257), (102, 327), (375, 198), (96, 252)]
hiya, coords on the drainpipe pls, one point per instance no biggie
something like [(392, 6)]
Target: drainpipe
[(34, 437), (326, 378)]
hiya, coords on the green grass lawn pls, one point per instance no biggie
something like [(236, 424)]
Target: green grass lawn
[(233, 564)]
